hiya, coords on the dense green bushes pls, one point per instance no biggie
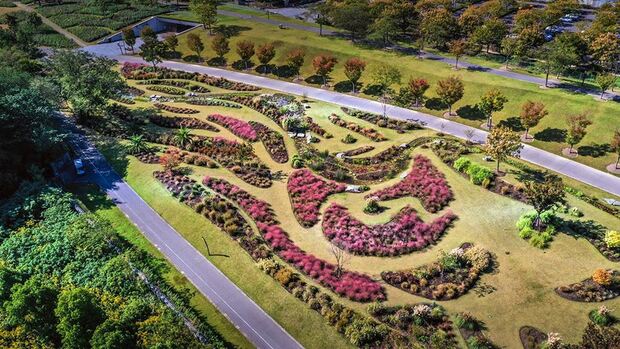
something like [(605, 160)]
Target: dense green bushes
[(478, 174), (69, 280)]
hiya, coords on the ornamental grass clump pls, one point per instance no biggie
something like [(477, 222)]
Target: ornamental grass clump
[(601, 316), (424, 182)]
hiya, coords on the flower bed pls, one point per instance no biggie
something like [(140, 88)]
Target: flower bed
[(404, 233), (215, 208), (317, 129), (359, 150), (208, 101), (166, 89), (192, 158), (272, 140), (426, 320), (173, 83), (139, 71), (398, 125), (178, 122), (424, 181), (602, 286), (364, 131), (531, 337), (176, 110), (355, 286), (238, 127), (307, 192), (448, 278), (148, 157)]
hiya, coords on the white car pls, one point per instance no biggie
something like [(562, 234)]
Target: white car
[(79, 166)]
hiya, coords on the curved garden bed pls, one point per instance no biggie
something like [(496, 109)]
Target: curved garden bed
[(179, 121), (239, 128), (531, 337), (272, 140), (307, 192), (450, 277), (602, 286), (424, 182), (368, 132), (404, 233)]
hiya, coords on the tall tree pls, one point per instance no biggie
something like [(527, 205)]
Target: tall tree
[(206, 11), (148, 35), (323, 66), (531, 114), (605, 81), (352, 16), (457, 49), (265, 53), (86, 82), (353, 69), (384, 76), (438, 27), (491, 102), (615, 146), (78, 316), (220, 46), (194, 43), (129, 37), (605, 50), (245, 50), (508, 48), (450, 90), (491, 33), (295, 60), (544, 194), (418, 87), (171, 42), (577, 125), (501, 143)]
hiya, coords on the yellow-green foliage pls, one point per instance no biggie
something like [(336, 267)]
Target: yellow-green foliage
[(612, 239)]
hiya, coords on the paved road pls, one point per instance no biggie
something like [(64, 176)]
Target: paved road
[(54, 26), (249, 318), (557, 163)]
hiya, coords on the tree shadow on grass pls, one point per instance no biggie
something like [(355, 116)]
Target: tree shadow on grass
[(217, 62), (265, 68), (242, 65), (373, 90), (284, 71), (435, 104), (231, 30), (115, 154), (551, 135), (315, 80), (470, 112), (513, 123), (594, 150), (192, 58), (345, 87)]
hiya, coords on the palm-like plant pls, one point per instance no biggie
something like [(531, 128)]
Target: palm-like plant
[(183, 137), (137, 145)]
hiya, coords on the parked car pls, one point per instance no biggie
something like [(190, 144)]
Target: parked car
[(79, 167)]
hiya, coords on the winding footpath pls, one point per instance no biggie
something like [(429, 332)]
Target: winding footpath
[(557, 163), (255, 324)]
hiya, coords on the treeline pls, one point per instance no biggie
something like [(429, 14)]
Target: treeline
[(67, 280), (450, 26)]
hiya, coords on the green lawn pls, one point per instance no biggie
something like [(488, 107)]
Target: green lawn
[(99, 204), (523, 279), (549, 133)]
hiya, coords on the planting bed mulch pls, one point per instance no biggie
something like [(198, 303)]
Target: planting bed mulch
[(139, 71), (399, 125), (448, 278), (358, 151), (404, 233), (273, 142), (176, 110), (531, 337), (589, 291), (595, 234), (423, 319), (364, 131), (180, 121), (148, 158)]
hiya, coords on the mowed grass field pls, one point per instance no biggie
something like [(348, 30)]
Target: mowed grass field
[(522, 282), (549, 133)]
